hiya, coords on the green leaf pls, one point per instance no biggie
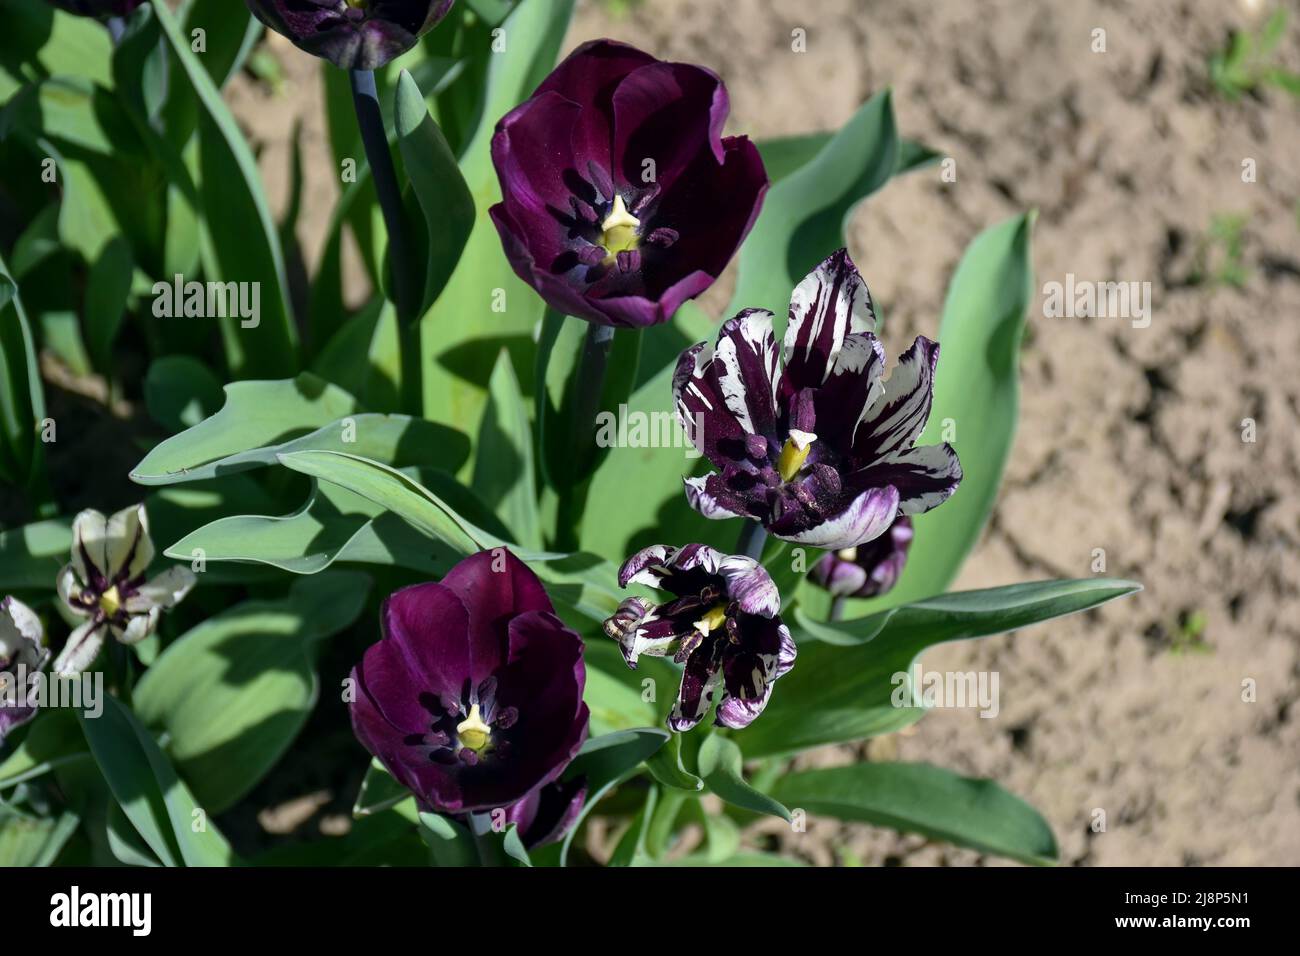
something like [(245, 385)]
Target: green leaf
[(180, 391), (977, 387), (375, 333), (333, 525), (804, 215), (450, 843), (606, 761), (464, 330), (787, 154), (666, 766), (107, 287), (631, 848), (720, 763), (51, 742), (42, 41), (22, 400), (243, 242), (34, 841), (444, 198), (233, 692), (919, 798), (379, 792), (146, 787), (261, 420), (503, 468), (854, 687)]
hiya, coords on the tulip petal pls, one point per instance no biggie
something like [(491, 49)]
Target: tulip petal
[(737, 712), (166, 590), (750, 586), (89, 544), (831, 303), (69, 588), (865, 518), (925, 476), (81, 649), (711, 498), (895, 420)]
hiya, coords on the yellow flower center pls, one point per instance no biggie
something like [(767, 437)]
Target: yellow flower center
[(712, 620), (848, 554), (619, 230), (110, 602), (794, 453), (356, 4), (472, 732)]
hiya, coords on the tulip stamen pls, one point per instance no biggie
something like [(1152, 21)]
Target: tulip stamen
[(794, 453), (472, 733), (712, 620), (848, 554), (619, 231), (110, 602)]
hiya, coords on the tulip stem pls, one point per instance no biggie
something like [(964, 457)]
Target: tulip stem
[(837, 607), (752, 538), (116, 29), (591, 385), (370, 119)]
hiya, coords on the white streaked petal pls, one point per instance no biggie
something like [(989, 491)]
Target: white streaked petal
[(89, 530), (81, 650), (69, 587), (138, 627), (830, 303), (749, 584), (897, 417), (866, 518), (703, 502), (165, 590), (127, 543)]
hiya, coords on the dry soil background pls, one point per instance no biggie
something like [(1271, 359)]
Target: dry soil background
[(1130, 439)]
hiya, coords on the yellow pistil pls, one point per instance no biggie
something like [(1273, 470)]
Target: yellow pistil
[(794, 453), (355, 3), (472, 732), (618, 231), (848, 554), (110, 602), (712, 620)]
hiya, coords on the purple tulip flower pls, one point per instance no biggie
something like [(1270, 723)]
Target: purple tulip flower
[(22, 655), (98, 8), (473, 698), (548, 812), (620, 197), (723, 625), (352, 34), (867, 570), (814, 446)]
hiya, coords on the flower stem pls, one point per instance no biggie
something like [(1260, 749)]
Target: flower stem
[(116, 28), (370, 119), (752, 538), (837, 607), (591, 384)]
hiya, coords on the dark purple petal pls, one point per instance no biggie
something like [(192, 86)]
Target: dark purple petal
[(668, 113), (352, 37), (925, 476), (864, 518), (495, 587), (853, 385), (831, 303), (870, 569), (700, 677), (750, 586), (548, 812), (739, 712), (428, 645)]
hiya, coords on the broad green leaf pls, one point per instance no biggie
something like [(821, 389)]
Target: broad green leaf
[(605, 761), (804, 215), (931, 801), (444, 198), (49, 42), (333, 525), (450, 843), (740, 859), (666, 766), (464, 331), (147, 789), (51, 742), (977, 389), (243, 241), (503, 467), (233, 692), (787, 154), (375, 333), (855, 688), (263, 419), (720, 763)]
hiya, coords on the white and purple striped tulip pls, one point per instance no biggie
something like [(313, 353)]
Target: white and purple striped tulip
[(813, 444), (723, 625), (22, 655)]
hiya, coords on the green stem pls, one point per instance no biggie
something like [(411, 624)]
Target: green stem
[(837, 607), (752, 538)]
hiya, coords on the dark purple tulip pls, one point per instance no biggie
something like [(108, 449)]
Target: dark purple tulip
[(98, 8), (474, 696), (585, 220), (722, 624), (813, 445), (868, 570), (22, 655), (353, 34), (548, 812)]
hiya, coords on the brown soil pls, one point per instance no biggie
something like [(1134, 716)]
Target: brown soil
[(1130, 439)]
